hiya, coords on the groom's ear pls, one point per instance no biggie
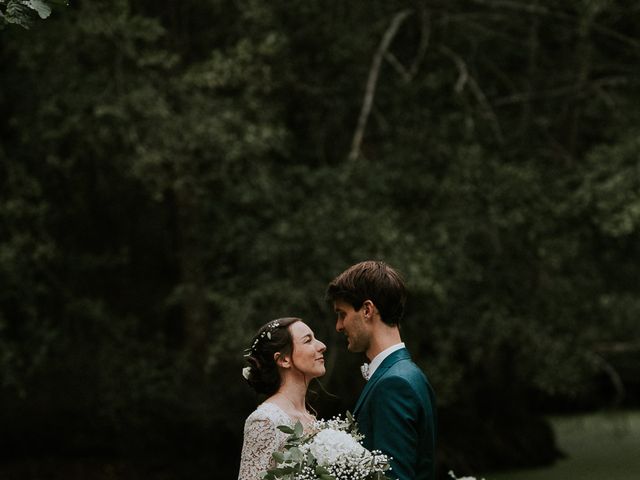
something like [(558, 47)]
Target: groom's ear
[(368, 309)]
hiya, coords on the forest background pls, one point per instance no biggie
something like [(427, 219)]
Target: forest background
[(173, 174)]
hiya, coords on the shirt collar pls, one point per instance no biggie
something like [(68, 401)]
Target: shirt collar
[(378, 359)]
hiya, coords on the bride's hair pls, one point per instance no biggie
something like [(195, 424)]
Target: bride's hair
[(262, 374)]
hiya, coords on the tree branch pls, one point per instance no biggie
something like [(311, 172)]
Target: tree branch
[(464, 79), (372, 80), (614, 377), (537, 9), (425, 33)]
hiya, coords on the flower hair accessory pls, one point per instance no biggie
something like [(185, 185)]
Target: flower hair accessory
[(271, 327)]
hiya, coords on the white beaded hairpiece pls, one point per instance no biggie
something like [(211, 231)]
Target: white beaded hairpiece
[(265, 333), (252, 350)]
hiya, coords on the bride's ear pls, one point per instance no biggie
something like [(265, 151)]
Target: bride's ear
[(281, 360)]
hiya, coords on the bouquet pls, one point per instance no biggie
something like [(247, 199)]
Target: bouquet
[(331, 451)]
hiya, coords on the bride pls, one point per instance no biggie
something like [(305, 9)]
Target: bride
[(283, 358)]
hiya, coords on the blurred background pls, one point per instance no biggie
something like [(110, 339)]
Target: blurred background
[(173, 174)]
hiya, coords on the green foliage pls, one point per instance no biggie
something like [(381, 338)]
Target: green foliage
[(27, 252)]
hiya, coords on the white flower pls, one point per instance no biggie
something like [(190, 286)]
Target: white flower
[(245, 372), (329, 445)]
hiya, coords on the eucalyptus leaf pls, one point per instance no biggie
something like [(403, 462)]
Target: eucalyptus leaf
[(312, 460), (320, 470), (39, 6), (296, 454)]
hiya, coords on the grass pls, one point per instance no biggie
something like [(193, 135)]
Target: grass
[(599, 446)]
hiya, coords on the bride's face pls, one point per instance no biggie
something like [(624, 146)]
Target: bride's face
[(308, 351)]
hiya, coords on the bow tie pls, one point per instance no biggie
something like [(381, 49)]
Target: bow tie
[(364, 368)]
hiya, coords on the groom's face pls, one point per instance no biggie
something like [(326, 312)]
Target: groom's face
[(351, 323)]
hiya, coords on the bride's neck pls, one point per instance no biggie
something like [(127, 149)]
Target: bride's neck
[(295, 393)]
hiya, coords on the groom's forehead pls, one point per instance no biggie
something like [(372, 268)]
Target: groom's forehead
[(341, 305)]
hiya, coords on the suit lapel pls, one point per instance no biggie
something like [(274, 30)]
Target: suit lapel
[(401, 354)]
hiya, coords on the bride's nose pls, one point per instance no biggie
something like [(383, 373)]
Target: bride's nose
[(321, 347)]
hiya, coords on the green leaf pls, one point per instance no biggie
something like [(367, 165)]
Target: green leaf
[(311, 459), (322, 471), (298, 429), (18, 14), (286, 429), (295, 454), (39, 6), (278, 457)]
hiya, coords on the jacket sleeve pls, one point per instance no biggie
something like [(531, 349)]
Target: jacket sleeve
[(395, 409)]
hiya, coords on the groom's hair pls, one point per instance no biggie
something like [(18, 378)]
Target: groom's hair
[(375, 281)]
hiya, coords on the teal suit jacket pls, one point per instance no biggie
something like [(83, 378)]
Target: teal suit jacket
[(396, 413)]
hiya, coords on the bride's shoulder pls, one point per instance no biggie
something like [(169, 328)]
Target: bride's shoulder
[(268, 412)]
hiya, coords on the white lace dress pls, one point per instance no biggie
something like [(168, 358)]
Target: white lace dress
[(261, 439)]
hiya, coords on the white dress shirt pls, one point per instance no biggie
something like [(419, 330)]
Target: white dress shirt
[(378, 359)]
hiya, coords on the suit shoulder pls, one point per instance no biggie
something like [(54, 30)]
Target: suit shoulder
[(408, 370), (403, 374)]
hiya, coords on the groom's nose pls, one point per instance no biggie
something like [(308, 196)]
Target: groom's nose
[(339, 325)]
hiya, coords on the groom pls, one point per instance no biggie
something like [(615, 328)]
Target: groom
[(396, 409)]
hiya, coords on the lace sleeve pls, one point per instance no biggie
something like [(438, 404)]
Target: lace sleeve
[(260, 441)]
